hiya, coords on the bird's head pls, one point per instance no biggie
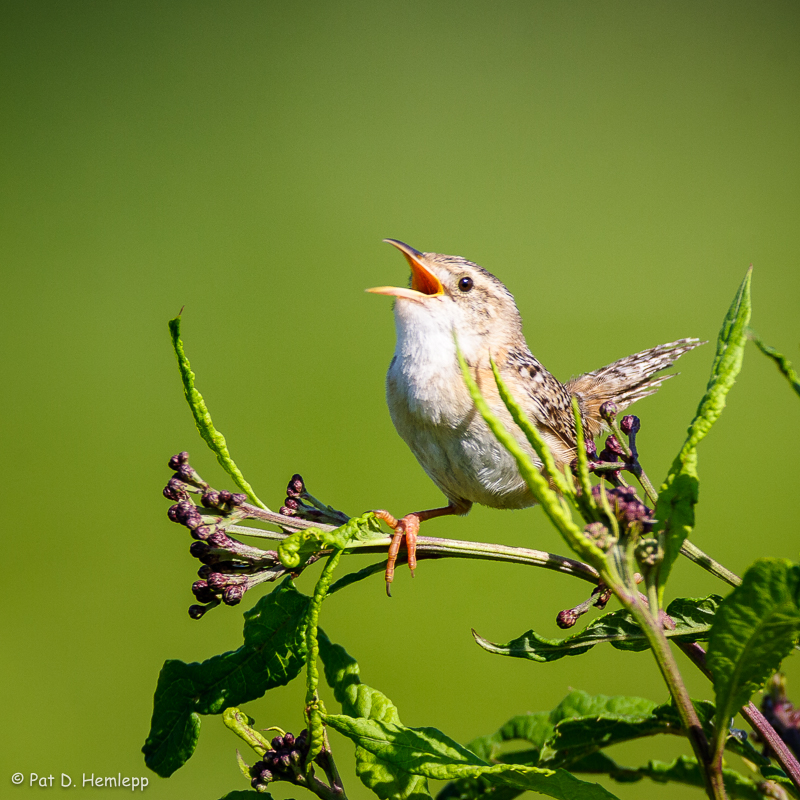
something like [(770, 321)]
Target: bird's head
[(450, 294)]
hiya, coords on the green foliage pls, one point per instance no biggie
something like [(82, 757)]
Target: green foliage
[(750, 632), (428, 752), (202, 418), (384, 777), (754, 629), (781, 362), (273, 653), (692, 618), (573, 735), (295, 550), (679, 492), (686, 771)]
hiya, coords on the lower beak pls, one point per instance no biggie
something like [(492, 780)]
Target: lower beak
[(423, 282)]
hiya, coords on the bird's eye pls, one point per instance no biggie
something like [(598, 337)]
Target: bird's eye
[(465, 284)]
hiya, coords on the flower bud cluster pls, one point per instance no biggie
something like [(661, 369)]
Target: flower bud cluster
[(600, 535), (299, 503), (282, 763), (230, 567), (626, 507)]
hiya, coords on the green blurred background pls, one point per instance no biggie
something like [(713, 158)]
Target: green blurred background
[(618, 165)]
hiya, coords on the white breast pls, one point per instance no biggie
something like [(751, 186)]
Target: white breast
[(433, 412)]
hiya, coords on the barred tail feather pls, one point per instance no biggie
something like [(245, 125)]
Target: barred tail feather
[(627, 380)]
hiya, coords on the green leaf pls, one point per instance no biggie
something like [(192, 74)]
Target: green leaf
[(295, 550), (385, 778), (678, 496), (684, 770), (202, 418), (428, 752), (273, 653), (571, 734), (755, 628), (692, 617), (783, 364)]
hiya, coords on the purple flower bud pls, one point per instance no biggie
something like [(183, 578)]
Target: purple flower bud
[(177, 460), (630, 424), (287, 512), (221, 540), (202, 552), (205, 572), (277, 743), (195, 612), (296, 486), (186, 514), (288, 739), (232, 595), (292, 503), (185, 473), (599, 534), (225, 497), (613, 446), (591, 449), (175, 490), (219, 580), (567, 618), (202, 592), (285, 760), (238, 499), (203, 532), (608, 410), (211, 498)]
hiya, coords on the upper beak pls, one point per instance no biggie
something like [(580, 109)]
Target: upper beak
[(423, 282)]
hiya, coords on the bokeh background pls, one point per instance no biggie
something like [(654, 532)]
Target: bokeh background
[(617, 164)]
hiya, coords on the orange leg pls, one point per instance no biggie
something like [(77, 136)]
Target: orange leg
[(407, 527)]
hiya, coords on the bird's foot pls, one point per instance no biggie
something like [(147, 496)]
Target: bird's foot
[(407, 527)]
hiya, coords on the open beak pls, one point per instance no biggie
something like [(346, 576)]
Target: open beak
[(423, 282)]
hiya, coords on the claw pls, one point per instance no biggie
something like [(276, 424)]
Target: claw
[(407, 527)]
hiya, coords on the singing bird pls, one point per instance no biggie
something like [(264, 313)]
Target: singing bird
[(451, 300)]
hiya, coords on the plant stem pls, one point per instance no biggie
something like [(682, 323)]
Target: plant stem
[(694, 553), (652, 629), (431, 547)]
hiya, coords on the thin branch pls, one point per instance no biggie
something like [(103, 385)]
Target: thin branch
[(430, 547)]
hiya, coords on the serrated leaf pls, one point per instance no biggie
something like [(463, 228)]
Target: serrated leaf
[(692, 617), (428, 752), (683, 770), (571, 734), (781, 362), (273, 653), (202, 417), (674, 510), (295, 550), (755, 628), (630, 718), (343, 675)]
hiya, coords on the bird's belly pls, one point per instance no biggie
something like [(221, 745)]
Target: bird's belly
[(464, 459)]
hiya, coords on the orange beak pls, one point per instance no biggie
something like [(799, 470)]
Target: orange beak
[(423, 282)]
